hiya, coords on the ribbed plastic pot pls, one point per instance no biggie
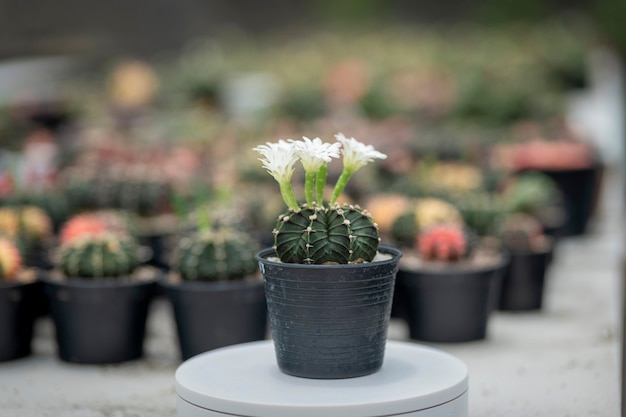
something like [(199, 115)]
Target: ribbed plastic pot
[(329, 321), (523, 284), (211, 315), (99, 321), (452, 305), (17, 315)]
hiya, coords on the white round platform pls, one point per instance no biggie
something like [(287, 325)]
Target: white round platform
[(244, 380)]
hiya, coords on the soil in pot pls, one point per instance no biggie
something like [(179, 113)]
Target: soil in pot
[(210, 315), (329, 321), (448, 303), (100, 321)]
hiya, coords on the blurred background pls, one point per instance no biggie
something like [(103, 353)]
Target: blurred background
[(138, 106), (153, 107)]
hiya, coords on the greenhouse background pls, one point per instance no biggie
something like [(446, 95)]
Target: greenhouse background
[(138, 120)]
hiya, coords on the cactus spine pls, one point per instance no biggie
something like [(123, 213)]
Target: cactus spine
[(216, 256), (326, 235), (99, 256)]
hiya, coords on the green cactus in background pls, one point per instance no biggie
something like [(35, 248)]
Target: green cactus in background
[(218, 255), (482, 212), (325, 235), (99, 256), (530, 192)]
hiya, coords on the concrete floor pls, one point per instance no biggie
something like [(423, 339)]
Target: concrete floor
[(562, 361)]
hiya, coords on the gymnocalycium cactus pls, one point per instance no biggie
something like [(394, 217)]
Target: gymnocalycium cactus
[(216, 255), (315, 232), (104, 255)]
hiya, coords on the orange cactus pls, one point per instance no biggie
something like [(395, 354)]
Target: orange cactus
[(10, 259)]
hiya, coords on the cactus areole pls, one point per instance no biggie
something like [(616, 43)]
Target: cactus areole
[(316, 232)]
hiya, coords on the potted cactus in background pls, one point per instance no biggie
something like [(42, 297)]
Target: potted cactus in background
[(19, 297), (99, 298), (328, 283), (531, 253), (450, 283), (215, 290)]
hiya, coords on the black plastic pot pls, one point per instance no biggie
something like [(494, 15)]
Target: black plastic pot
[(453, 305), (210, 315), (17, 315), (523, 284), (580, 189), (99, 321), (329, 321)]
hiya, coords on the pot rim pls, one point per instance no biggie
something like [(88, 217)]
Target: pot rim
[(395, 253), (504, 262), (164, 282)]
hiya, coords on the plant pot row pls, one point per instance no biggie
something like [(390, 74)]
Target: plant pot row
[(455, 305), (104, 321)]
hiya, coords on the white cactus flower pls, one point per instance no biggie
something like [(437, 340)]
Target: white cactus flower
[(357, 154), (279, 161), (314, 153)]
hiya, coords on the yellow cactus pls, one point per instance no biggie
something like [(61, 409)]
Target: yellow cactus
[(431, 211)]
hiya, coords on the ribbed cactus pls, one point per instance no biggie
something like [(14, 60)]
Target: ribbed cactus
[(216, 255), (482, 212), (326, 235), (10, 259), (442, 243), (99, 256)]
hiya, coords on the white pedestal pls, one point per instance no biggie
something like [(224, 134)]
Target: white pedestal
[(244, 380)]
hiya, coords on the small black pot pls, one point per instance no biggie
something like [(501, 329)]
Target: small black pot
[(210, 315), (99, 321), (580, 189), (329, 321), (523, 283), (18, 302), (452, 305)]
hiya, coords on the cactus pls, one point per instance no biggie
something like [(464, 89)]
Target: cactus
[(326, 235), (9, 221), (530, 192), (430, 211), (424, 213), (35, 223), (442, 243), (315, 233), (482, 212), (99, 256), (216, 255), (523, 232), (95, 223), (10, 260)]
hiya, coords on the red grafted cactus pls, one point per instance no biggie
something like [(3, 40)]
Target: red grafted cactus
[(442, 243)]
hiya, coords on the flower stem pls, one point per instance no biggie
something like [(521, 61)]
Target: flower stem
[(288, 197), (341, 184), (320, 183), (309, 185)]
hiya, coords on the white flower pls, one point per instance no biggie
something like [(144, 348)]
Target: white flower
[(357, 154), (314, 153), (279, 161)]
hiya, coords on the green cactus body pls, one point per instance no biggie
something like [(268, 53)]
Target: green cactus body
[(326, 235), (482, 212), (100, 256), (216, 256)]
